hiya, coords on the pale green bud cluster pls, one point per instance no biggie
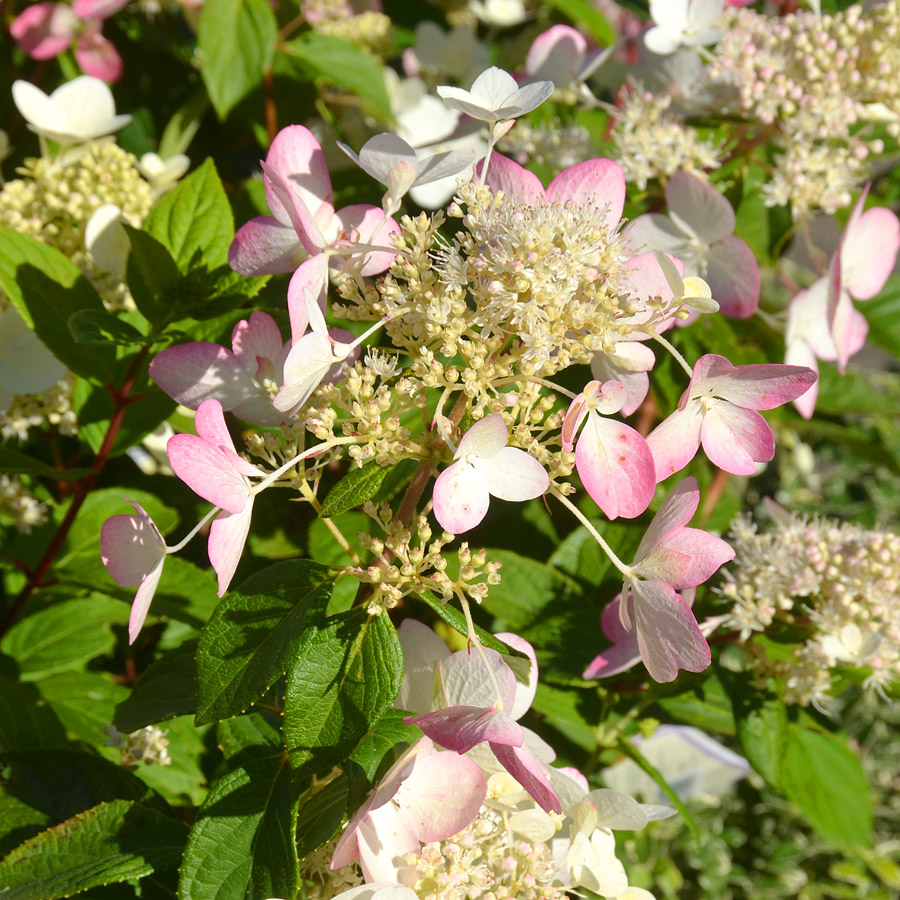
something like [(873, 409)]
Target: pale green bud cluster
[(19, 505)]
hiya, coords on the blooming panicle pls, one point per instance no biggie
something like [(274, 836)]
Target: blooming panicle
[(613, 460), (210, 466), (485, 467), (718, 410), (671, 557), (133, 551), (699, 230), (427, 795)]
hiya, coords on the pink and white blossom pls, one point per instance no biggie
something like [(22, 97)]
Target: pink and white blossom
[(613, 460), (719, 411), (670, 557), (495, 96), (133, 551), (427, 795), (210, 466), (485, 467), (699, 230)]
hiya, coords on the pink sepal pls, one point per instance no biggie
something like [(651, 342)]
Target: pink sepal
[(733, 277), (600, 179), (265, 246), (530, 772), (97, 9), (227, 536), (515, 181), (98, 56), (44, 30)]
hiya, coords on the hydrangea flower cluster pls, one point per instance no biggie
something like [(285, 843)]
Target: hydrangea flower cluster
[(836, 581)]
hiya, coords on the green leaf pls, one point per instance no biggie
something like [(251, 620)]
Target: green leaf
[(571, 712), (762, 729), (386, 734), (12, 462), (320, 815), (242, 844), (112, 842), (580, 556), (457, 621), (361, 483), (187, 593), (346, 66), (193, 221), (346, 677), (84, 702), (153, 276), (26, 721), (94, 326), (237, 42), (18, 821), (706, 705), (184, 124), (584, 13), (883, 315), (46, 287), (824, 778), (752, 214), (65, 782), (63, 636), (249, 733), (165, 690), (255, 633)]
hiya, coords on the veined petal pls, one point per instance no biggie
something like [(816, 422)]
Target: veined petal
[(505, 175), (470, 679), (192, 373), (616, 467), (752, 387), (699, 206), (526, 672), (296, 157), (868, 251), (654, 231), (207, 472), (422, 649), (301, 219), (676, 440), (808, 322), (677, 510), (599, 179), (371, 227), (461, 728), (265, 246), (306, 365), (255, 339), (667, 632), (512, 474), (142, 600), (485, 438), (733, 277), (530, 772), (735, 439), (227, 536), (620, 657), (461, 497), (131, 546), (306, 297), (705, 551)]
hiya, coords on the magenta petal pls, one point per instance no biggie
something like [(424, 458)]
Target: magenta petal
[(296, 158), (131, 546), (600, 179), (752, 387), (307, 292), (735, 439), (505, 175), (265, 246), (97, 9), (302, 221), (799, 353), (677, 510), (142, 600), (461, 728), (192, 373), (366, 223), (98, 56), (255, 341), (676, 440), (733, 277), (530, 772), (868, 251), (207, 472), (706, 552), (44, 30), (227, 536), (461, 498), (616, 467), (667, 632), (622, 655)]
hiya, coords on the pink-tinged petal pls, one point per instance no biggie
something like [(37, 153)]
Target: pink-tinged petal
[(574, 417), (799, 353), (662, 564), (849, 329), (422, 649), (616, 467), (628, 363), (442, 796), (98, 56), (255, 342), (296, 158), (97, 9), (624, 652), (526, 673), (460, 497), (367, 222), (306, 365), (676, 440), (808, 322), (530, 772), (486, 437), (733, 277), (461, 728), (512, 474), (207, 472), (474, 679), (667, 632), (645, 280), (676, 511), (705, 551), (384, 839), (44, 30), (752, 387), (556, 55), (515, 181), (654, 231), (699, 207), (131, 546), (735, 439), (868, 250), (192, 373), (209, 423), (600, 179), (610, 621), (227, 536), (142, 599), (265, 246), (301, 219), (307, 292)]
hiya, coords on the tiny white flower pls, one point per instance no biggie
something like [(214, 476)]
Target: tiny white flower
[(163, 173), (850, 645), (499, 13), (683, 23), (80, 110), (496, 96)]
